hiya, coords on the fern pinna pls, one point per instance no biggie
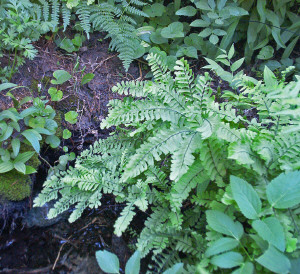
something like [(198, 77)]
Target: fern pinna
[(172, 156)]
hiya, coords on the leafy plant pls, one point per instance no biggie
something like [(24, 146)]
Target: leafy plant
[(173, 155), (109, 263), (30, 123)]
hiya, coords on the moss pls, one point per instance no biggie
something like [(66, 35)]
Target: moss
[(15, 186)]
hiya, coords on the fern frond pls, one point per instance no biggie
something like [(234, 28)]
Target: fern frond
[(124, 220), (66, 15), (55, 12), (212, 158), (84, 12), (151, 150)]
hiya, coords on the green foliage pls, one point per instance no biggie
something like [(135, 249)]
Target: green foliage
[(109, 263), (26, 128), (174, 154), (266, 227)]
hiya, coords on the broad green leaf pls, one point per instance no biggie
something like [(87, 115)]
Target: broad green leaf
[(175, 269), (237, 64), (6, 166), (108, 261), (271, 230), (15, 143), (61, 76), (55, 94), (51, 125), (174, 30), (157, 38), (227, 260), (284, 190), (221, 245), (214, 39), (19, 166), (67, 134), (67, 45), (187, 51), (200, 23), (30, 170), (246, 197), (289, 48), (37, 122), (275, 261), (155, 10), (33, 138), (266, 53), (24, 157), (6, 86), (10, 114), (53, 141), (222, 223), (71, 117), (87, 78), (187, 11), (219, 32), (134, 263), (206, 32), (245, 268), (6, 132)]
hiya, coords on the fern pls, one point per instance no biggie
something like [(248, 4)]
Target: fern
[(174, 160)]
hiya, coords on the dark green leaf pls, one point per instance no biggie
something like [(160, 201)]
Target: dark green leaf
[(222, 223), (284, 190), (33, 138), (275, 261), (246, 197), (271, 230), (227, 260), (174, 30), (53, 141), (221, 245), (187, 11), (61, 76), (87, 78)]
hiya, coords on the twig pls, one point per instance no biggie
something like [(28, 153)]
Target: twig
[(102, 61)]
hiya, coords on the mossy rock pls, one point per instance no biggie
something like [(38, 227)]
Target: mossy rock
[(14, 186)]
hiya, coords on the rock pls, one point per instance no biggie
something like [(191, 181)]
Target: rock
[(37, 216)]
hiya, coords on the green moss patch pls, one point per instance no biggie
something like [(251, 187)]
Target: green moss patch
[(14, 186)]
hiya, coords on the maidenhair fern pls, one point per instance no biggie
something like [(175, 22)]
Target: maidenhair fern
[(172, 155)]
